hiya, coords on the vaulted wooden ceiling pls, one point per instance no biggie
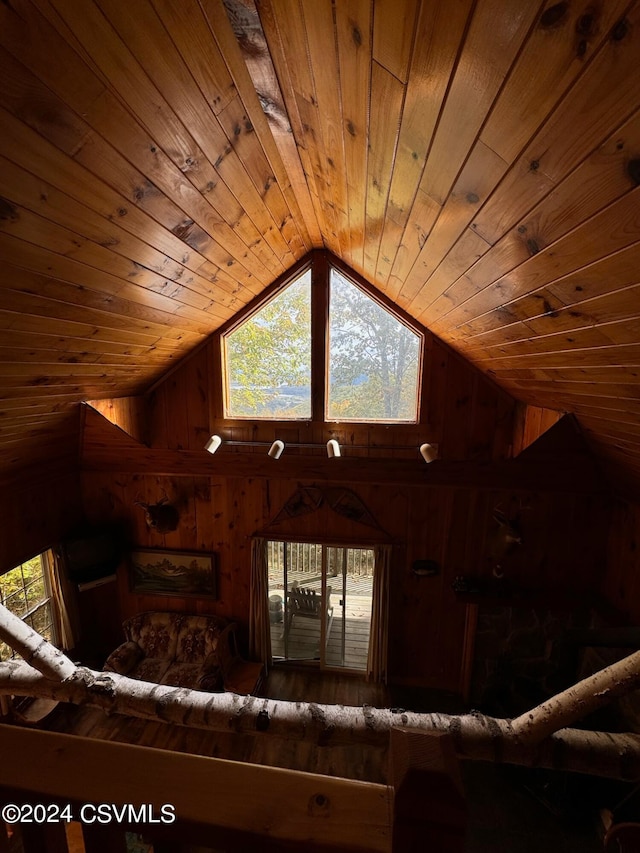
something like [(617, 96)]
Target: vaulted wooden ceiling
[(163, 161)]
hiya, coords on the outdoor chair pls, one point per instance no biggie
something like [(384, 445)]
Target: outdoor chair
[(307, 603)]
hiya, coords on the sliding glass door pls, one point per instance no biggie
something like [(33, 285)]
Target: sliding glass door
[(320, 600)]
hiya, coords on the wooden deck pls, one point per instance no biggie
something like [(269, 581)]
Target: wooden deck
[(304, 642), (304, 636)]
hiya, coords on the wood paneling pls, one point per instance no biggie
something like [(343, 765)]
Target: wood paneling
[(158, 171), (621, 586), (530, 422), (128, 413), (38, 512), (452, 526), (443, 512), (466, 415)]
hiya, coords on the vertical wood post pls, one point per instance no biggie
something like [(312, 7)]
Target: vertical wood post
[(38, 837), (319, 333), (429, 811), (104, 838)]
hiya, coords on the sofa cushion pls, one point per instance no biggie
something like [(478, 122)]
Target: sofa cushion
[(155, 633), (151, 669), (198, 638), (183, 675), (176, 649)]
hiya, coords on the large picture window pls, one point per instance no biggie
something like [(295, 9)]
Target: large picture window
[(323, 346)]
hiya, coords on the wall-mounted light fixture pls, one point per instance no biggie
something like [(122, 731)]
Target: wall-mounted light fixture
[(275, 451), (333, 448), (213, 444), (428, 452)]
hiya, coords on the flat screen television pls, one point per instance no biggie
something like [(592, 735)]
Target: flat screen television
[(92, 554)]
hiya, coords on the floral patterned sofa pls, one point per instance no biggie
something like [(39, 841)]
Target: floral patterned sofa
[(177, 649)]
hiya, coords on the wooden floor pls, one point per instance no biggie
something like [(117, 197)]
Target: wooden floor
[(304, 642), (356, 762)]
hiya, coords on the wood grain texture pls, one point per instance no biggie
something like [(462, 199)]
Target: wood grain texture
[(352, 816), (159, 171), (442, 512)]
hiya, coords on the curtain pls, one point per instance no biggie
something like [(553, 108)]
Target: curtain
[(259, 627), (379, 638), (64, 610)]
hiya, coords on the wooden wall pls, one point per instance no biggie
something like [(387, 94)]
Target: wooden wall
[(127, 413), (621, 586), (36, 513), (529, 423), (465, 413), (425, 516), (561, 555)]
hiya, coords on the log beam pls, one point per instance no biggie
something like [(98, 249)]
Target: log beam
[(576, 702), (475, 737), (563, 477), (35, 650)]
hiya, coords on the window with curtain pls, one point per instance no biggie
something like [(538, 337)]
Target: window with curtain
[(26, 591), (37, 593)]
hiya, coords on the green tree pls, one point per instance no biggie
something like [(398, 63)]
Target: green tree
[(270, 350), (21, 590), (373, 358)]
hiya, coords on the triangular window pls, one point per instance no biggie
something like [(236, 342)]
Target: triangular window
[(373, 358), (268, 358)]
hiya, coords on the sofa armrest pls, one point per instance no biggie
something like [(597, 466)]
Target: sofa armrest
[(124, 658)]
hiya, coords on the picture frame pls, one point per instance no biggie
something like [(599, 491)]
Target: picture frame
[(156, 571)]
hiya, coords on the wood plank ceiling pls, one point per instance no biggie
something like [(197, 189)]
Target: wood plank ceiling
[(163, 161)]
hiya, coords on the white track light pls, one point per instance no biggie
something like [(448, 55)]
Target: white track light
[(213, 444)]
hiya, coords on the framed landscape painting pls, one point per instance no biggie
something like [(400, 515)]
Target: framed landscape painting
[(159, 572)]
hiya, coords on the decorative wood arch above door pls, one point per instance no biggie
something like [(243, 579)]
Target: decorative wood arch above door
[(326, 513)]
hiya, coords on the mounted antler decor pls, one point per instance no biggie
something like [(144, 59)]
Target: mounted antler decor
[(161, 517)]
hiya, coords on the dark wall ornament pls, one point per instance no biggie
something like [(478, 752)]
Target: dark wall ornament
[(344, 502), (161, 517), (425, 568)]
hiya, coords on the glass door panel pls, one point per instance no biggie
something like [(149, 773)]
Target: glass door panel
[(320, 601), (350, 575), (295, 599)]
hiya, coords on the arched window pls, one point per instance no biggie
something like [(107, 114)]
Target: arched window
[(322, 346)]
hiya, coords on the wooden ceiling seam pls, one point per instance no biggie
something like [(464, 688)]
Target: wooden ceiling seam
[(479, 169), (268, 100), (521, 156), (119, 19), (125, 118)]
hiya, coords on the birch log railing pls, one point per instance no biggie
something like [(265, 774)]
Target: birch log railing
[(532, 739)]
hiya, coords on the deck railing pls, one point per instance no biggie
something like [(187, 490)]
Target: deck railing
[(306, 558)]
